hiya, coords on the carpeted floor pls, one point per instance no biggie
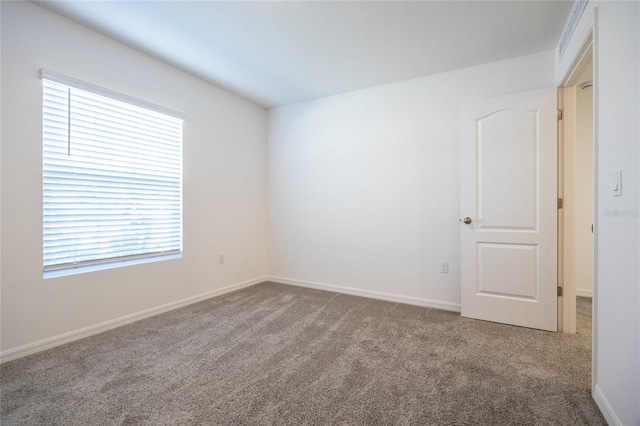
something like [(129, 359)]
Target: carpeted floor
[(276, 354), (583, 316)]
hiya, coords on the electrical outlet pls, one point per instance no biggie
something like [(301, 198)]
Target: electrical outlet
[(444, 267), (220, 257)]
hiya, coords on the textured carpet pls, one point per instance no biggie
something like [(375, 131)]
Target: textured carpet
[(583, 316), (276, 354)]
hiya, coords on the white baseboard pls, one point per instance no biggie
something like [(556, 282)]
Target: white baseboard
[(605, 407), (71, 336), (583, 292), (447, 306)]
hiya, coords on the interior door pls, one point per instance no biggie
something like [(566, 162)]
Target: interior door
[(509, 209)]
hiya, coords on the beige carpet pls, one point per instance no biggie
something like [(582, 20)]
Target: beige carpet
[(275, 354)]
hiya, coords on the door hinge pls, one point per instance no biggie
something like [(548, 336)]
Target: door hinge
[(560, 115), (559, 203), (559, 291)]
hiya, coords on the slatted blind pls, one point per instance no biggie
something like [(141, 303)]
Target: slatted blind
[(112, 179)]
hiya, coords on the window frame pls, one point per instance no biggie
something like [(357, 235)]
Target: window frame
[(67, 268)]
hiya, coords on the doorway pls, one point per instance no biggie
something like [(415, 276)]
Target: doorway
[(584, 189), (576, 189)]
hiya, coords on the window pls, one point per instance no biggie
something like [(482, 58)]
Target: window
[(112, 178)]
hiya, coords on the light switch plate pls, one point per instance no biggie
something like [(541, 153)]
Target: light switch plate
[(617, 183)]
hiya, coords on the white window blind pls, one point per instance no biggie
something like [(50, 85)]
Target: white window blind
[(112, 179)]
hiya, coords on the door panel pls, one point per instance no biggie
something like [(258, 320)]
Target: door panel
[(507, 171), (521, 258), (509, 191)]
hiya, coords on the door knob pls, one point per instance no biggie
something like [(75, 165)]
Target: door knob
[(467, 220)]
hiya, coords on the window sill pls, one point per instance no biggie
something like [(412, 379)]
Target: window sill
[(108, 265)]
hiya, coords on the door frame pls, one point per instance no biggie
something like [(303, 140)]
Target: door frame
[(585, 53)]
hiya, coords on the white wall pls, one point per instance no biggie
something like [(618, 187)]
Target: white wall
[(618, 225), (584, 190), (363, 187), (224, 193), (617, 237)]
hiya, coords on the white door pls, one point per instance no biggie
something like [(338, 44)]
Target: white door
[(509, 195)]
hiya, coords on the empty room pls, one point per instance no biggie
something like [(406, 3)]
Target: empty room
[(320, 212)]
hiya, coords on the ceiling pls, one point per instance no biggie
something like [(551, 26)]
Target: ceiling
[(276, 52)]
